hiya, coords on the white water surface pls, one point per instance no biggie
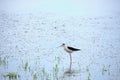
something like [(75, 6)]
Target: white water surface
[(31, 31)]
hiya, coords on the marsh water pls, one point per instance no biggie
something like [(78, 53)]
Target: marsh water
[(29, 47)]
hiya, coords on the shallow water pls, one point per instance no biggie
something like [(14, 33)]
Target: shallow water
[(29, 47)]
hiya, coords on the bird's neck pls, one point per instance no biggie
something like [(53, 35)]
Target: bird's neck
[(65, 46)]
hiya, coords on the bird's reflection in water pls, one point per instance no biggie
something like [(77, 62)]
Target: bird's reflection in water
[(71, 73)]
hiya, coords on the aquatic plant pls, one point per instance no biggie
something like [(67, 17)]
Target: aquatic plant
[(55, 71), (3, 61), (109, 69), (45, 75), (12, 75), (87, 69), (89, 75), (35, 76), (103, 70), (26, 66), (106, 69), (56, 68)]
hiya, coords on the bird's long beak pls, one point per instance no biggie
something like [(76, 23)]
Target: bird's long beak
[(60, 46)]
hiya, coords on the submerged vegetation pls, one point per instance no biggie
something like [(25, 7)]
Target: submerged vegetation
[(42, 73), (89, 75), (4, 61), (26, 66), (35, 76), (12, 75), (55, 71), (106, 69)]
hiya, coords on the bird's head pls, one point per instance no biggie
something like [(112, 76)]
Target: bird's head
[(63, 44)]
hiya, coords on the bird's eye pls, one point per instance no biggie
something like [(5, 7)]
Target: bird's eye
[(63, 44)]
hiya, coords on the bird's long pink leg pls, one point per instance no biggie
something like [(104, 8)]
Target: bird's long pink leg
[(70, 61)]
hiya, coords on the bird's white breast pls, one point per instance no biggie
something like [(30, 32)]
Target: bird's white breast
[(67, 50)]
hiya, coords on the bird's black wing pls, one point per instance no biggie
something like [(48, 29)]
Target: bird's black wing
[(74, 49)]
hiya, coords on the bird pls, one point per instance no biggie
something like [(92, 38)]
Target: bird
[(69, 50)]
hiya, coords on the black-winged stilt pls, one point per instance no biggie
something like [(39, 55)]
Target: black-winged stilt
[(70, 50)]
